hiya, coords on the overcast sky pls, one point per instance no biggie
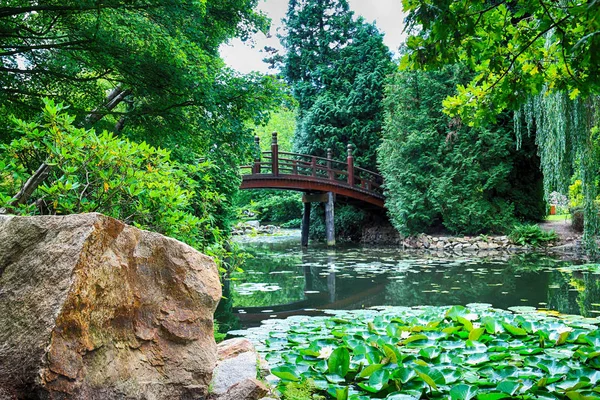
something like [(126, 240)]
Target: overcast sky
[(244, 57)]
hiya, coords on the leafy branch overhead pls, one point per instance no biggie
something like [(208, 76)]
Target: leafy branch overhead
[(517, 49)]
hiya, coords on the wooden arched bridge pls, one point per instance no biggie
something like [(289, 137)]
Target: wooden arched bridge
[(321, 179)]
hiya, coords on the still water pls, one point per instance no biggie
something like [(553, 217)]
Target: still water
[(282, 279)]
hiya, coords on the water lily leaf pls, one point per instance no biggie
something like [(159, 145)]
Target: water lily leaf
[(477, 359), (593, 338), (476, 333), (562, 338), (456, 311), (341, 394), (492, 325), (451, 329), (463, 392), (514, 330), (465, 322), (367, 371), (430, 376), (401, 396), (553, 367), (334, 378), (286, 373), (404, 374), (414, 338), (391, 353), (430, 352), (499, 356), (492, 396), (339, 362), (578, 396), (508, 387)]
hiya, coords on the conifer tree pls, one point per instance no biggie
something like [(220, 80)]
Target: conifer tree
[(336, 65)]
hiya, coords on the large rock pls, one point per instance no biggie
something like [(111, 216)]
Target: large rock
[(238, 361), (91, 308)]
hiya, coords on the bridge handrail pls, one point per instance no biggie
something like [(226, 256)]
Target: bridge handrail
[(294, 164)]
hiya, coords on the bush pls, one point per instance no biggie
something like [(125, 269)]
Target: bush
[(577, 219), (294, 223), (91, 172), (271, 206), (531, 235)]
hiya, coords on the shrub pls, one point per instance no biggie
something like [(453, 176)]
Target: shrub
[(271, 206), (294, 223), (532, 235), (91, 172), (577, 219)]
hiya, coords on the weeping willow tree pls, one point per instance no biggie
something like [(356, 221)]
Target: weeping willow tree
[(568, 139), (540, 58)]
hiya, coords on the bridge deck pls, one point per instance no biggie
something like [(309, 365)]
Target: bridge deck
[(307, 173)]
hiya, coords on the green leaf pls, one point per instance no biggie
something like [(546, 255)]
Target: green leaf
[(367, 371), (286, 373), (339, 362), (463, 392), (430, 376), (508, 387), (476, 333), (514, 330), (492, 396)]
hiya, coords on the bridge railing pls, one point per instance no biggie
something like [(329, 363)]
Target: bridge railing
[(281, 163)]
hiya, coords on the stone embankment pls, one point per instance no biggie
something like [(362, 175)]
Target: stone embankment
[(457, 245), (254, 228)]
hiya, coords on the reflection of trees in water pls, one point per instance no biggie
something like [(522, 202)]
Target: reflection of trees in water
[(574, 292), (269, 269)]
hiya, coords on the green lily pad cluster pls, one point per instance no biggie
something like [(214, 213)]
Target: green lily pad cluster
[(457, 353)]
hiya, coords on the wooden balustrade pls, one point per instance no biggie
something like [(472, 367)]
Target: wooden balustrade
[(281, 164)]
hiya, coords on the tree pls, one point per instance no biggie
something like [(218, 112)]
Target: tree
[(440, 172), (336, 66), (539, 58), (147, 70), (151, 56)]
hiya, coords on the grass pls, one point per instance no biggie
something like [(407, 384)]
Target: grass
[(562, 217)]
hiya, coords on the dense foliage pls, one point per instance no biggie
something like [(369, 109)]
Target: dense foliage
[(147, 71), (531, 235), (538, 58), (336, 66), (91, 172), (437, 352), (441, 172)]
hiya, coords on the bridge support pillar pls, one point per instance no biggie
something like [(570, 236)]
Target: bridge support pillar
[(305, 224), (329, 222)]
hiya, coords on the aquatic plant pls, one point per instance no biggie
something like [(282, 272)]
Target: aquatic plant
[(533, 235), (460, 353)]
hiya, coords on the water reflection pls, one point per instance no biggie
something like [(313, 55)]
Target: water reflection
[(283, 279)]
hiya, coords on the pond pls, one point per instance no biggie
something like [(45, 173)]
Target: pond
[(283, 279)]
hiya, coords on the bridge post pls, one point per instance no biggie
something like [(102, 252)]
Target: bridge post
[(329, 158), (329, 221), (256, 169), (305, 224), (274, 155), (350, 166)]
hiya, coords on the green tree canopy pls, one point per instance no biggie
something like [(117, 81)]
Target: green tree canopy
[(441, 172), (539, 58), (336, 66)]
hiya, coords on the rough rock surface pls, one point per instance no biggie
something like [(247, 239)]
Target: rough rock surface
[(248, 389), (238, 361), (91, 308)]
